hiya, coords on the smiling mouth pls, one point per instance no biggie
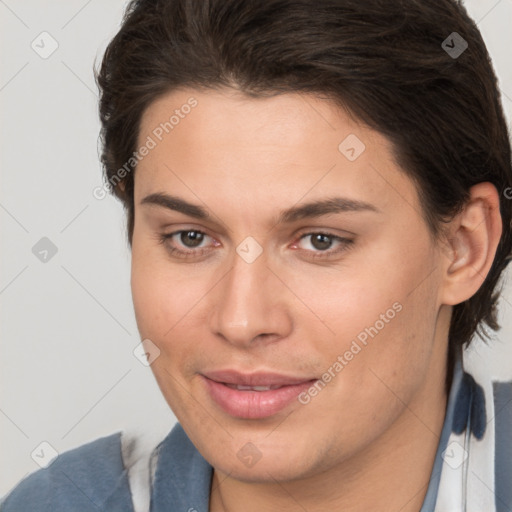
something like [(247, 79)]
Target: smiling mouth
[(241, 387), (255, 401)]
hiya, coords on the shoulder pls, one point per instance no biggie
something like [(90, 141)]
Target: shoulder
[(503, 453), (80, 479), (502, 391), (503, 416)]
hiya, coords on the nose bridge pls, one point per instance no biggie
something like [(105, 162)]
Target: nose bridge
[(250, 301)]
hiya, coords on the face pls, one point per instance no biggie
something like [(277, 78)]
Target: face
[(277, 244)]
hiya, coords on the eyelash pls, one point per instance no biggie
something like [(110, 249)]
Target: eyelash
[(345, 243)]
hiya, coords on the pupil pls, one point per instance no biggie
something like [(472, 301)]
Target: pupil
[(320, 241), (191, 236)]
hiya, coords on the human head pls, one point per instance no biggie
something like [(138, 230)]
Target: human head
[(240, 108), (382, 62)]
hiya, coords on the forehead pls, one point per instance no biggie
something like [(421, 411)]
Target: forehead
[(229, 116), (275, 150)]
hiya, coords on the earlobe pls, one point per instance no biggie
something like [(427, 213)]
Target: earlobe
[(474, 236)]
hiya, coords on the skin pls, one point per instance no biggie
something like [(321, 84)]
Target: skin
[(368, 439)]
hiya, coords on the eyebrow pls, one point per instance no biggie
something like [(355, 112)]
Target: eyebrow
[(307, 210)]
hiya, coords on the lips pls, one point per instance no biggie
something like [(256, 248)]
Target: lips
[(241, 387), (253, 396), (274, 380)]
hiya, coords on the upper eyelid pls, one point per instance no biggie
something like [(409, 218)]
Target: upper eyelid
[(310, 231), (298, 237)]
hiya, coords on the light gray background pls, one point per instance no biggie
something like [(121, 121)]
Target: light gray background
[(67, 370)]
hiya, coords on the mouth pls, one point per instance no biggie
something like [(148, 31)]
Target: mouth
[(253, 396), (241, 387)]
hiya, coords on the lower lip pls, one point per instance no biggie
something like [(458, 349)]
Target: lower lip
[(254, 404)]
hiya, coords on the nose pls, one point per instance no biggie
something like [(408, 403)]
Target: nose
[(250, 305)]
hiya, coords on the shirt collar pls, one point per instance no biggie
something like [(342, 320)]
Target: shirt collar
[(435, 476)]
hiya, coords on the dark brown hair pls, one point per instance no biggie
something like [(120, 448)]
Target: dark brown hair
[(396, 65)]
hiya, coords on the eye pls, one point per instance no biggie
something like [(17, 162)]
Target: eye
[(321, 243), (186, 242), (190, 238)]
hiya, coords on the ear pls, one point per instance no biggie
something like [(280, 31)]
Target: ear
[(473, 238)]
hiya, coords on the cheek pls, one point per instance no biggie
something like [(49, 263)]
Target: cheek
[(343, 301), (377, 313), (384, 326), (164, 303), (163, 293)]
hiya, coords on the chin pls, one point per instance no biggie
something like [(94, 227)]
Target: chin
[(268, 471), (254, 463)]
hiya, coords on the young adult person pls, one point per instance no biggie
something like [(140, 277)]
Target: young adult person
[(317, 211)]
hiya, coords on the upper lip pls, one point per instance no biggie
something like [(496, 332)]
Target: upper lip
[(254, 379)]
